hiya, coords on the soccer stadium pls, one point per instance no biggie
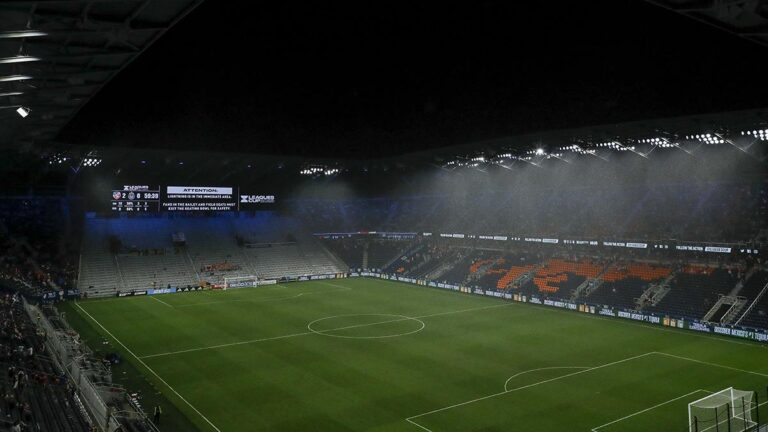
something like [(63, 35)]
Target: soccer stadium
[(384, 216)]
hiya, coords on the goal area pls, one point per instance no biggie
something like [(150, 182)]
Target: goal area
[(728, 410)]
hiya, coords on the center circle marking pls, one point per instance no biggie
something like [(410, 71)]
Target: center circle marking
[(394, 318)]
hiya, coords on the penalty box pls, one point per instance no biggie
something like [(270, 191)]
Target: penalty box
[(642, 393)]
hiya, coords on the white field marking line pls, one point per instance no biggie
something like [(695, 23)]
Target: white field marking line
[(404, 318), (148, 368), (418, 425), (711, 364), (541, 369), (410, 419), (157, 299), (334, 285), (309, 332), (651, 408)]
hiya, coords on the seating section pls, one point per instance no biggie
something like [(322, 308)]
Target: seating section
[(36, 394), (290, 260), (169, 268), (381, 252), (348, 250), (432, 263), (214, 251), (562, 277), (119, 256), (505, 270), (490, 269), (754, 285), (758, 316), (32, 251), (624, 283), (695, 289), (459, 272), (98, 267)]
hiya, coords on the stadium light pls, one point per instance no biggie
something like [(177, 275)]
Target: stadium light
[(576, 149), (91, 161), (57, 159), (18, 59), (706, 138), (761, 134), (319, 170), (9, 78), (23, 111), (21, 34)]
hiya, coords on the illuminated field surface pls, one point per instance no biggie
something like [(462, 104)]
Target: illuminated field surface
[(373, 355)]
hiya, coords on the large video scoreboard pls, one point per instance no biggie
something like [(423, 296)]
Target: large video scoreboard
[(148, 198)]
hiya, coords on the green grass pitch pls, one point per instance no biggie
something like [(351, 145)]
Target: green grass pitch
[(374, 355)]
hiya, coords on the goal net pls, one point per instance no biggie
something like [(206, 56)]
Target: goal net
[(727, 410), (241, 282)]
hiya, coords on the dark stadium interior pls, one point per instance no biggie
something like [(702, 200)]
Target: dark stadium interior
[(608, 159)]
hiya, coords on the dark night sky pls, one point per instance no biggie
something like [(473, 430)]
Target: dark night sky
[(367, 79)]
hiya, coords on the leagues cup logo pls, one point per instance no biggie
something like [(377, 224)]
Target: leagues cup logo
[(116, 195)]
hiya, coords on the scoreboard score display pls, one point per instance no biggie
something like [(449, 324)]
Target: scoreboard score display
[(145, 198)]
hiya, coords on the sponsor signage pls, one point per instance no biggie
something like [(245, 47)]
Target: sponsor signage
[(257, 199), (637, 245), (161, 291), (760, 336), (717, 249)]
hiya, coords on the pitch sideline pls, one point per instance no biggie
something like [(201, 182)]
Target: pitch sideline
[(149, 368)]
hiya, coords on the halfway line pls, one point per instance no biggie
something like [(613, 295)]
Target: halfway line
[(322, 331)]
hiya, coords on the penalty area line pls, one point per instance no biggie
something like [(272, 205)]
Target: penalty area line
[(148, 368), (650, 409), (411, 418)]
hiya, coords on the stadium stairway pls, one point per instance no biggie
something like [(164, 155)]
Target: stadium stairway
[(98, 273), (556, 277), (756, 314), (348, 251), (624, 284), (694, 291)]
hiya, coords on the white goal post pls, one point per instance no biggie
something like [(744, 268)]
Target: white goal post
[(727, 410)]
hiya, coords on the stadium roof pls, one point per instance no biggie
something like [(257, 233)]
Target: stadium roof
[(746, 18), (55, 55), (744, 131), (362, 81)]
